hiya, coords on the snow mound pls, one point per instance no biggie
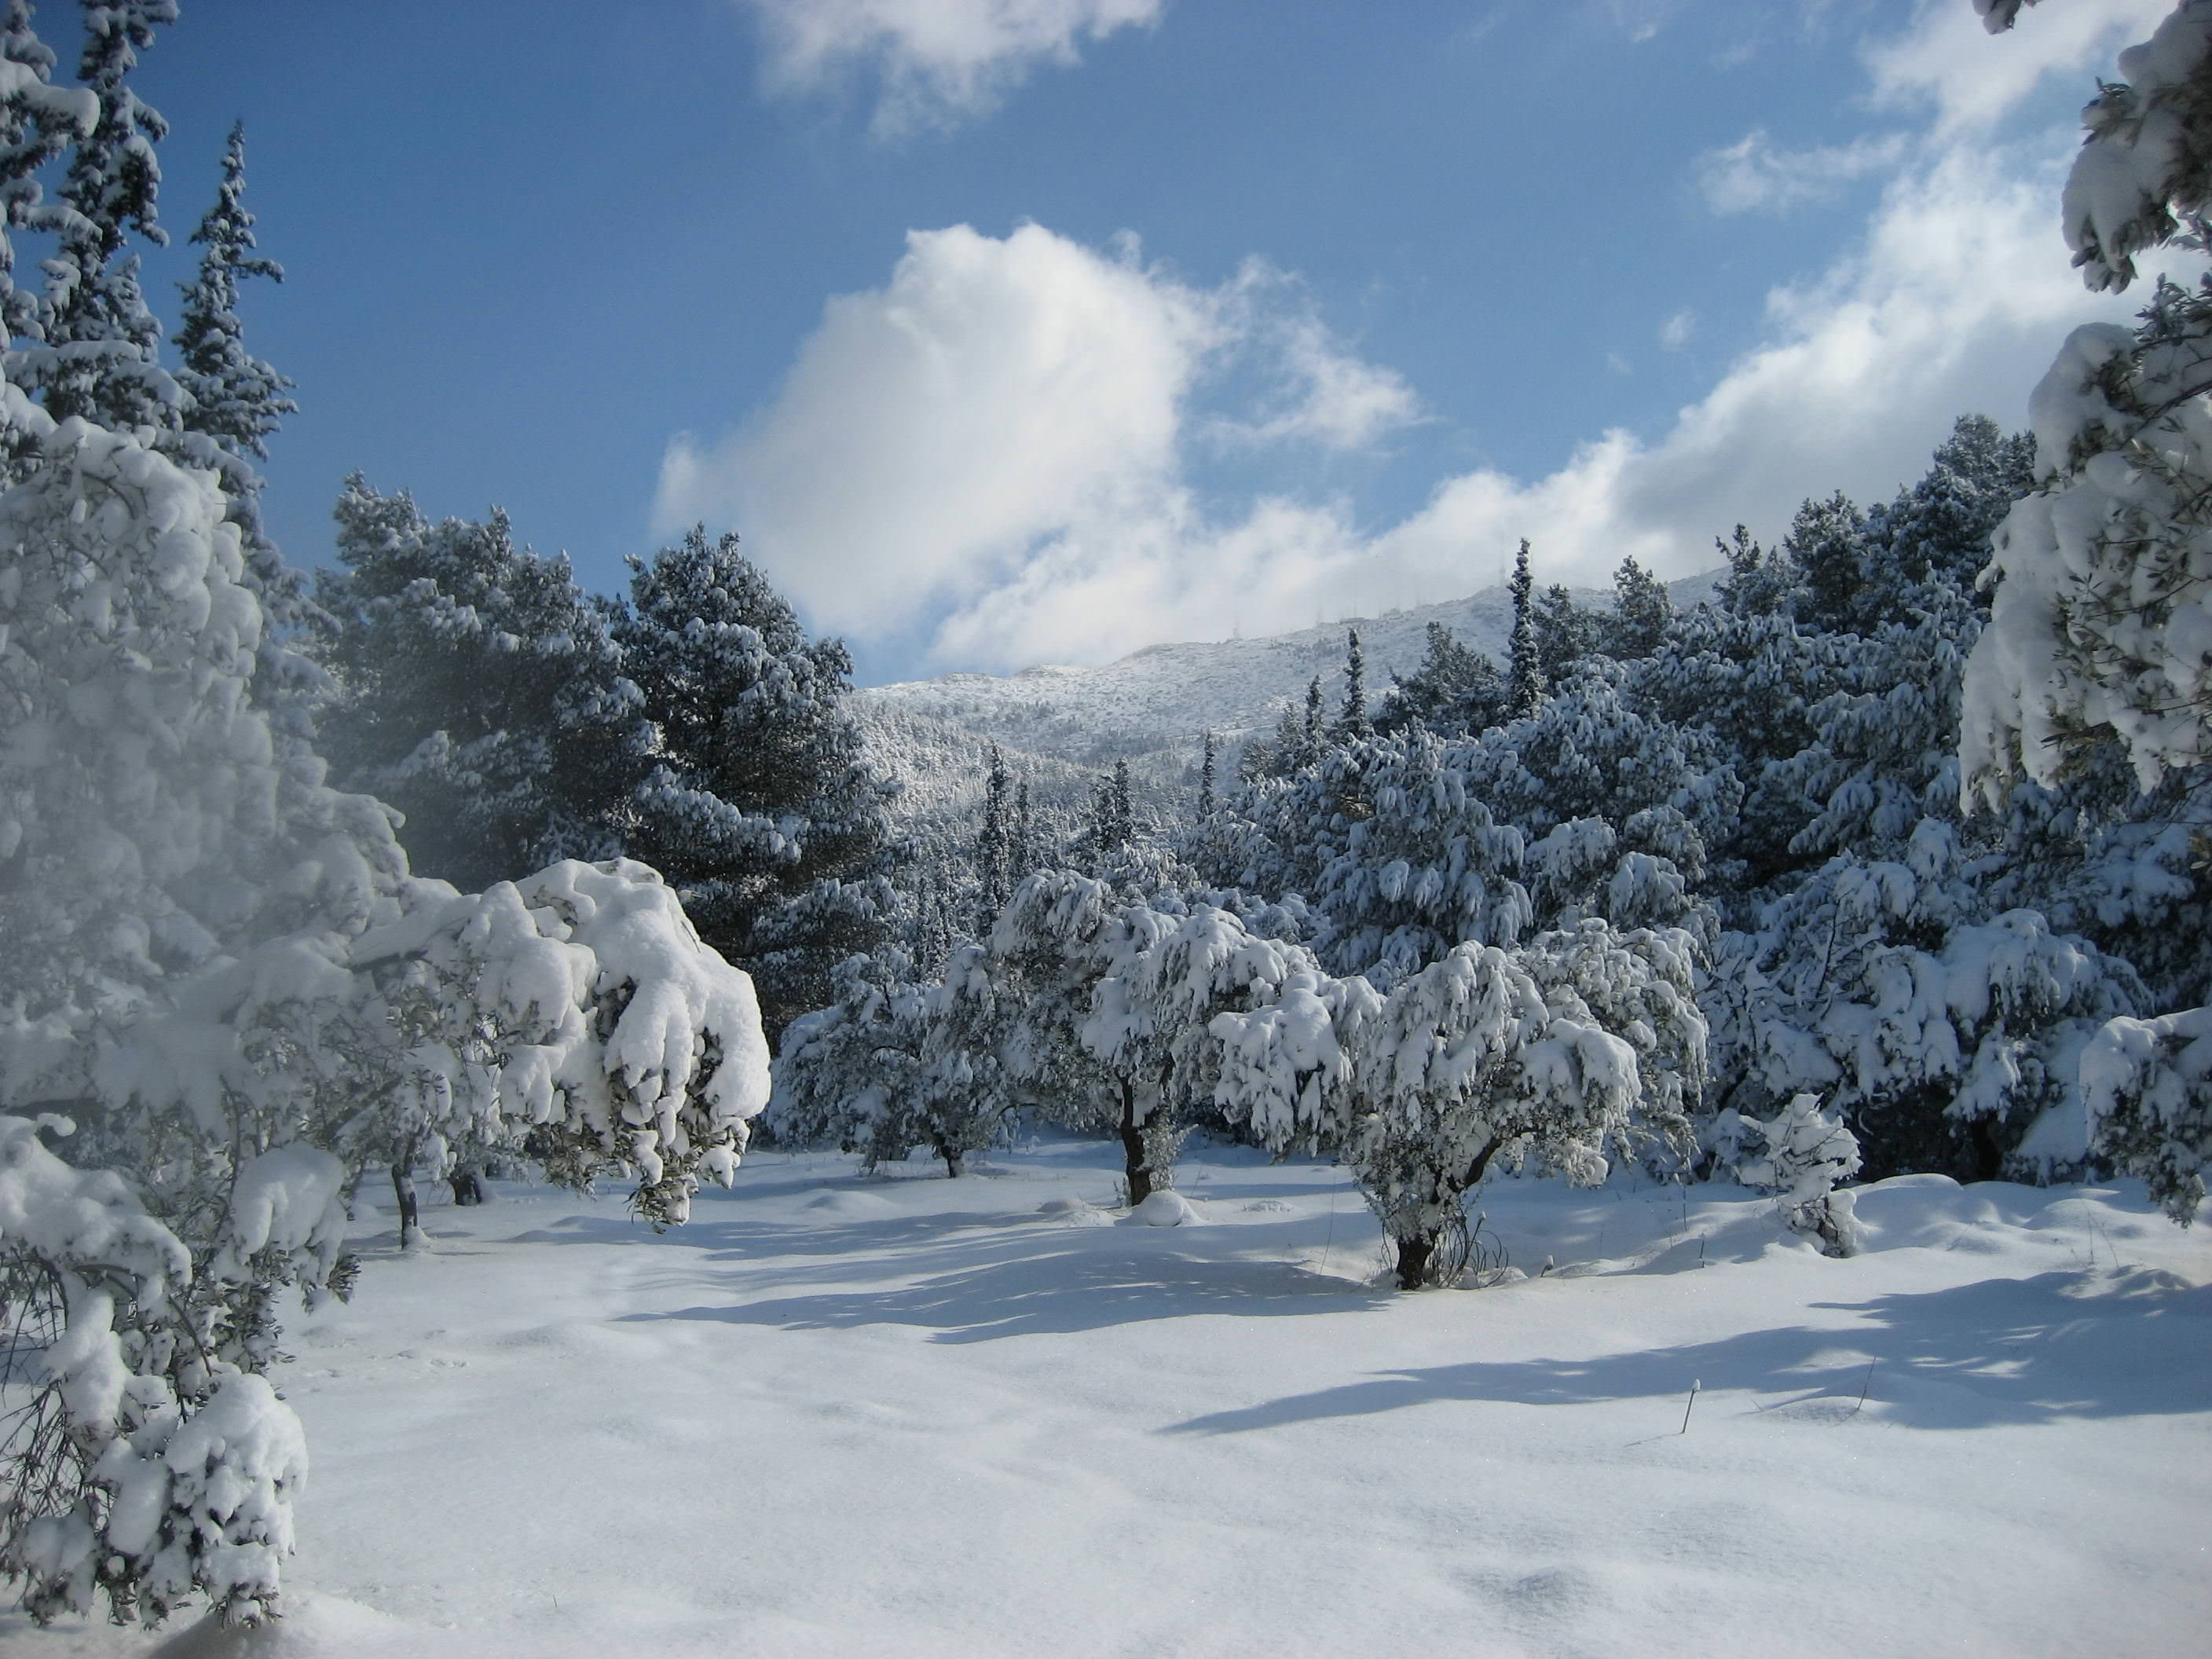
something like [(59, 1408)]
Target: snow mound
[(1264, 1204), (1163, 1209)]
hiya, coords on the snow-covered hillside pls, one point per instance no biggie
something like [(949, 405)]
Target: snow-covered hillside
[(1064, 726), (913, 1416)]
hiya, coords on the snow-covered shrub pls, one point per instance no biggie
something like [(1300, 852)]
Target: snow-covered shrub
[(1946, 1035), (577, 1006), (136, 1472), (1486, 1056), (1799, 1156), (2148, 1084), (891, 1066)]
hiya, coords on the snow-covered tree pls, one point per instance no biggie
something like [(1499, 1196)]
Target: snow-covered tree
[(1455, 692), (1799, 1154), (992, 863), (236, 399), (2100, 627), (98, 351), (891, 1065), (1642, 612), (1946, 1036), (478, 690), (1525, 671), (1566, 634), (220, 973), (1351, 722), (762, 808), (37, 122)]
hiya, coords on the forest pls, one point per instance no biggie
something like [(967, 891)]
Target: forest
[(433, 866)]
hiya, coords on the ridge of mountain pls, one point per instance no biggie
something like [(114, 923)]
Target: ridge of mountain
[(1061, 726)]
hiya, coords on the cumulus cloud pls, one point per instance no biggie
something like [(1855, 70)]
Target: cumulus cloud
[(1000, 446), (933, 431), (1674, 333), (1752, 176), (936, 60)]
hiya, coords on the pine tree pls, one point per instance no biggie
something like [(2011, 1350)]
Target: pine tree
[(1455, 692), (1021, 847), (236, 399), (1315, 726), (1566, 634), (37, 122), (1353, 724), (760, 806), (477, 689), (992, 859), (1757, 583), (101, 347), (1642, 612), (1825, 547), (1206, 802), (1525, 682)]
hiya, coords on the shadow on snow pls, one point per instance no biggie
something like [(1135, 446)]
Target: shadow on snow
[(2059, 1344)]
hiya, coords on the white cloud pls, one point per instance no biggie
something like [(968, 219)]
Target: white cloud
[(937, 60), (1752, 176), (994, 448), (1321, 392), (1617, 364), (932, 430), (1674, 333), (1945, 58)]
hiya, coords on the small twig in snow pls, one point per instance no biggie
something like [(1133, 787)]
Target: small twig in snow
[(1695, 1384)]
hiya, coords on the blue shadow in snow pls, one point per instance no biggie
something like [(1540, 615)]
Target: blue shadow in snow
[(1976, 1356)]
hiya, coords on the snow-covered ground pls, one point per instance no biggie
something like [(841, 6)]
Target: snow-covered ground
[(915, 1416)]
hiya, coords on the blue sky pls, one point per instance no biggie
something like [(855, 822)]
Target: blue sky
[(1011, 330)]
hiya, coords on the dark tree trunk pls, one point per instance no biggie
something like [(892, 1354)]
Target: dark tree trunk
[(467, 1185), (952, 1156), (1414, 1255), (403, 1188), (1132, 1147)]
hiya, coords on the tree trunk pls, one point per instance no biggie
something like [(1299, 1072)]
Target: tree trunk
[(403, 1188), (467, 1185), (1132, 1147), (952, 1156), (1414, 1255)]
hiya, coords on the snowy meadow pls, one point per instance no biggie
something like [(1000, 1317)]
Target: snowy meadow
[(907, 1414), (518, 1137)]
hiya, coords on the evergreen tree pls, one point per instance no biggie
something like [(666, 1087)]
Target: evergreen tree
[(37, 122), (236, 399), (1353, 724), (1566, 634), (1825, 546), (993, 861), (1642, 612), (761, 807), (1314, 724), (1021, 847), (1758, 583), (101, 353), (477, 689), (1455, 692), (1206, 802), (1525, 683)]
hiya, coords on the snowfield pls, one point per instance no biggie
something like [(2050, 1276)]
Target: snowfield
[(913, 1416)]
